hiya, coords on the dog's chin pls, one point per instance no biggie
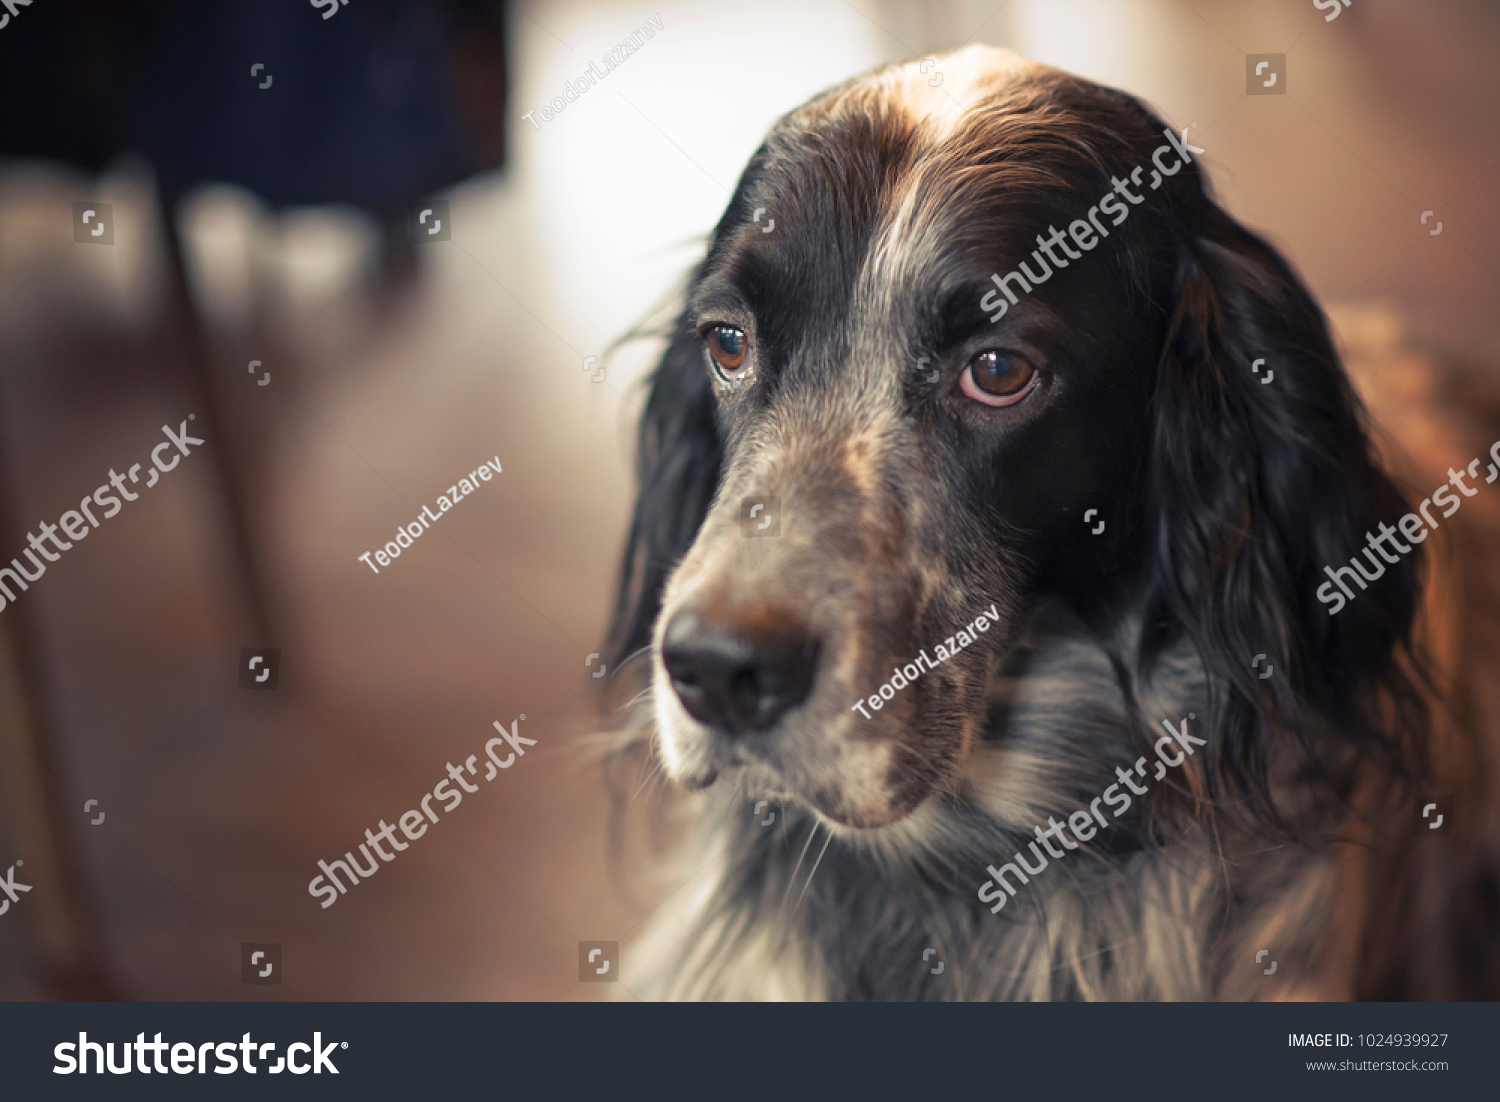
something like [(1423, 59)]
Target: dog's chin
[(832, 808), (866, 819), (690, 760)]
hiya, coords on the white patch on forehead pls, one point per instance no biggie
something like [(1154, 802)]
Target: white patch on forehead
[(968, 77), (907, 238)]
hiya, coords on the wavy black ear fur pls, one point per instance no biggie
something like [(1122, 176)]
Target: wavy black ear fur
[(679, 455), (1256, 487)]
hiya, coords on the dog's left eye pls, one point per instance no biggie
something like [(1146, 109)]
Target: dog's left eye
[(728, 348), (998, 378)]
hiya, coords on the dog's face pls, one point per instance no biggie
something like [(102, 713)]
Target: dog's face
[(895, 463), (856, 447)]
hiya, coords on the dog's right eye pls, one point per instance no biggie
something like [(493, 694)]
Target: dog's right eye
[(728, 348), (998, 378)]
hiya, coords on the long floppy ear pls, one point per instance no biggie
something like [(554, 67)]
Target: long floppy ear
[(679, 455), (1262, 476)]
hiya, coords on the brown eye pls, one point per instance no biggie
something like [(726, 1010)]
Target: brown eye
[(998, 378), (729, 348)]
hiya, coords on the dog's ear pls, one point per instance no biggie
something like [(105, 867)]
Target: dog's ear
[(679, 454), (1262, 475)]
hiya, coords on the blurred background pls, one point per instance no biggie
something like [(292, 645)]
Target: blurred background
[(260, 170)]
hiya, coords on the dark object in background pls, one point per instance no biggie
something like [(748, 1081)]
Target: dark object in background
[(377, 105)]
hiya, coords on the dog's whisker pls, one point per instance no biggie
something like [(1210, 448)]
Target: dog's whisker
[(650, 776), (791, 880), (814, 872)]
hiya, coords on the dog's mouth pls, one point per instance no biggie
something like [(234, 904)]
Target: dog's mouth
[(791, 715)]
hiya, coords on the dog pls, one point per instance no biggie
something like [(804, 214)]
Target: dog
[(996, 489)]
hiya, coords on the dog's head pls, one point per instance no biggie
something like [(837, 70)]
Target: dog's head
[(955, 351)]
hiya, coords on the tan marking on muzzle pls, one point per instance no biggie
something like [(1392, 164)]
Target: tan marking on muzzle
[(861, 454)]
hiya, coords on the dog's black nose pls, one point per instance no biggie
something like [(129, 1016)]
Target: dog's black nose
[(735, 675)]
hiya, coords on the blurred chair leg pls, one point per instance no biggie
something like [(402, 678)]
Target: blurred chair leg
[(398, 257), (66, 949), (232, 477)]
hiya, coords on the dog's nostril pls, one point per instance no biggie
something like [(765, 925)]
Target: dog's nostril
[(735, 675)]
